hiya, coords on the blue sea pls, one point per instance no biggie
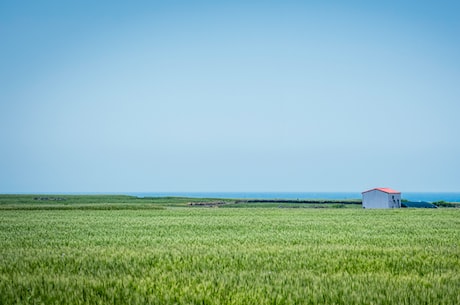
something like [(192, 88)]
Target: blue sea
[(412, 196)]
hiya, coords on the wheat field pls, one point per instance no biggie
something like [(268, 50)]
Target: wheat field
[(184, 255)]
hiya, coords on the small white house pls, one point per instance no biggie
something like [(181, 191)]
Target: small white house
[(381, 198)]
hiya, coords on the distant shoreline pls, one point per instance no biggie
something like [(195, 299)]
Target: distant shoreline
[(411, 196)]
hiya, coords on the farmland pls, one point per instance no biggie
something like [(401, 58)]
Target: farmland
[(125, 250)]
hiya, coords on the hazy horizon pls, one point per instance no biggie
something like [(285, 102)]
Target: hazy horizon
[(239, 96)]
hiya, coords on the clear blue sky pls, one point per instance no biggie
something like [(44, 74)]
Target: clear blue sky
[(117, 96)]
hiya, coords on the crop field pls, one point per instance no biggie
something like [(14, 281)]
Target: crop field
[(123, 250)]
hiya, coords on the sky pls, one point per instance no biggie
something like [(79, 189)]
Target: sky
[(221, 96)]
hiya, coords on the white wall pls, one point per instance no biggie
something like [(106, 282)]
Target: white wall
[(394, 200), (376, 199)]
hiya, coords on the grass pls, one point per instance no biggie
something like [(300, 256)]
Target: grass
[(175, 254)]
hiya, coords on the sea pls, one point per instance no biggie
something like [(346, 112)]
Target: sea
[(411, 196)]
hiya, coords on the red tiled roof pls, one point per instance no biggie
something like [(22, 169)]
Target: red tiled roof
[(384, 189)]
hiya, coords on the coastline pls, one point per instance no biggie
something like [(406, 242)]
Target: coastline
[(411, 196)]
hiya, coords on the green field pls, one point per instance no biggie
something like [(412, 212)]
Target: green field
[(126, 250)]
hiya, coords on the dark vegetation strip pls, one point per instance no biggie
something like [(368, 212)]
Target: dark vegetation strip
[(357, 201), (283, 203), (445, 204), (124, 202)]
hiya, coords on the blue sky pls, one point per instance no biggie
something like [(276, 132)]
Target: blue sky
[(118, 96)]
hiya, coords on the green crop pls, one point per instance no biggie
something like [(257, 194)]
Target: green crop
[(185, 255)]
